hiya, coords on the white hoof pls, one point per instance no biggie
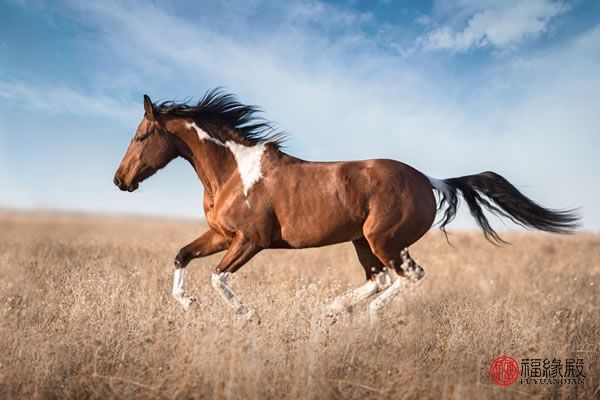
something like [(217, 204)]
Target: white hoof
[(335, 308), (247, 317), (186, 302)]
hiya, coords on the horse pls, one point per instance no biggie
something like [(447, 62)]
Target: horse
[(258, 197)]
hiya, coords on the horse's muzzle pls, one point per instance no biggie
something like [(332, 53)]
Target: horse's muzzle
[(123, 186)]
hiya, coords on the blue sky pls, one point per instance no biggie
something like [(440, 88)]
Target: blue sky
[(450, 87)]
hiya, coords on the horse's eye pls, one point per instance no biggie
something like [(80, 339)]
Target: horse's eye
[(141, 138)]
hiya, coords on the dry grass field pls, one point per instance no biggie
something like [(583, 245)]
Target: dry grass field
[(86, 312)]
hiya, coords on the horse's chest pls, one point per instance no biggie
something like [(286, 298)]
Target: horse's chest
[(211, 214), (225, 217)]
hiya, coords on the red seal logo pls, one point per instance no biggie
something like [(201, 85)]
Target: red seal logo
[(504, 370)]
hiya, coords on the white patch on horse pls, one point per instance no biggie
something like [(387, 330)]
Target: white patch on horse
[(439, 185), (247, 158), (202, 135)]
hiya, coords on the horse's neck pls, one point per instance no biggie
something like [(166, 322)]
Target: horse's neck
[(218, 157), (214, 164)]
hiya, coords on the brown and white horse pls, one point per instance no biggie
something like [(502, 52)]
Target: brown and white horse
[(258, 197)]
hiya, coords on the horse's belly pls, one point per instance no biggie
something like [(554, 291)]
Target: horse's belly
[(305, 235), (318, 222)]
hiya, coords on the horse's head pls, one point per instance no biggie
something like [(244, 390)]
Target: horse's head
[(149, 150)]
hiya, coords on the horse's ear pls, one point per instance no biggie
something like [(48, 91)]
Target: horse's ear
[(149, 108)]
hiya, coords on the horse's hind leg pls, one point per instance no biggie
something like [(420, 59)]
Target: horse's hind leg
[(408, 268), (385, 296), (402, 265), (369, 261), (377, 276)]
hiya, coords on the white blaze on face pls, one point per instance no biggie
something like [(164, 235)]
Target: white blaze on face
[(247, 158)]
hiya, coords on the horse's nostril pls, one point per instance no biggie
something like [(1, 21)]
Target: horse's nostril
[(117, 181)]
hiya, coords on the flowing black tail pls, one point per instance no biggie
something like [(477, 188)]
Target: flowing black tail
[(506, 201)]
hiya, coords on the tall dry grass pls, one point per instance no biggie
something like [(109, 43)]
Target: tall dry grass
[(86, 313)]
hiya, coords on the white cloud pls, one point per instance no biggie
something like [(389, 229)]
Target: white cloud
[(303, 79), (500, 26), (57, 99)]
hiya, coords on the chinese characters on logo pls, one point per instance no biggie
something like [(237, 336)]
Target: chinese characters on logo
[(505, 371), (545, 371)]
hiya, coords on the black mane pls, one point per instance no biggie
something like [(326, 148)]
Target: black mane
[(226, 108)]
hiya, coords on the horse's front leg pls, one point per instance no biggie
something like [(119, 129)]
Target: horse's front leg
[(242, 249), (208, 243)]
